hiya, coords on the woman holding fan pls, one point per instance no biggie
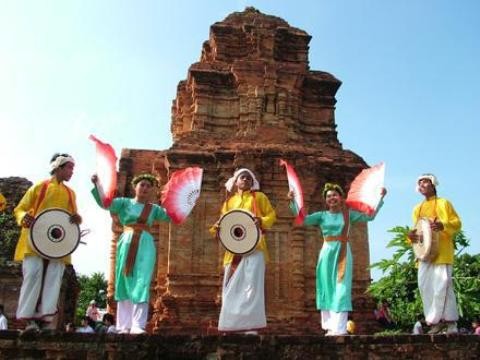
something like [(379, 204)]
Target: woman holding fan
[(335, 262), (136, 253)]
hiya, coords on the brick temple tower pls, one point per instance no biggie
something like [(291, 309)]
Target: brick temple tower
[(250, 100)]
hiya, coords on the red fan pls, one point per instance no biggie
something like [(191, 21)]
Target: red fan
[(181, 192), (295, 186), (106, 171), (365, 190)]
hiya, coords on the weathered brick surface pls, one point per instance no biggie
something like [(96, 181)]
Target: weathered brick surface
[(250, 100), (92, 346)]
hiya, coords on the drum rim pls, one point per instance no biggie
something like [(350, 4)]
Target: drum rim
[(41, 253), (426, 257), (246, 212)]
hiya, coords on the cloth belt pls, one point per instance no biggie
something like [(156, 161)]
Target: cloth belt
[(343, 238), (137, 229)]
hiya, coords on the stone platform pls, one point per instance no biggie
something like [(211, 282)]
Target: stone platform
[(93, 346)]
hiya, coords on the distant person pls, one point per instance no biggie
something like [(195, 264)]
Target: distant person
[(417, 327), (3, 319), (382, 314), (42, 278), (476, 326), (85, 326), (109, 322), (92, 311), (69, 328), (435, 277)]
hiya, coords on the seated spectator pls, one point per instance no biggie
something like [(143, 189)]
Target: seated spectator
[(69, 328), (382, 314), (109, 322), (92, 311), (476, 326), (85, 327)]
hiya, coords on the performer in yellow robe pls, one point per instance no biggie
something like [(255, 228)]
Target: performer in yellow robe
[(435, 277), (243, 295), (42, 278)]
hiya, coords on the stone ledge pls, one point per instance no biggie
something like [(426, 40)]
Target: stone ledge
[(14, 345)]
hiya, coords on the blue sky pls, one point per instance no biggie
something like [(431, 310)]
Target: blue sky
[(410, 94)]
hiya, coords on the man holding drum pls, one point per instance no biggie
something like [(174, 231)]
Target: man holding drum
[(42, 278), (435, 276), (243, 294)]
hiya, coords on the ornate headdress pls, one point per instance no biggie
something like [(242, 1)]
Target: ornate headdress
[(332, 186), (146, 176)]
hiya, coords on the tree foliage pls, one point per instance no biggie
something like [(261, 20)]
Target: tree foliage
[(9, 233), (93, 287), (399, 284)]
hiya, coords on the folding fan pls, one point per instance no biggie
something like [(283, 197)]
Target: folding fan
[(365, 190), (106, 171), (295, 186), (181, 192)]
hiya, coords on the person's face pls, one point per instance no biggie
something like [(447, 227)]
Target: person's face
[(143, 189), (333, 198), (244, 181), (426, 187), (65, 172)]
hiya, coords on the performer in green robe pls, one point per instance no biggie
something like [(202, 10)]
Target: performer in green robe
[(335, 262), (136, 253)]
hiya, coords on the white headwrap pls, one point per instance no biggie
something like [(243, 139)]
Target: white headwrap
[(230, 182), (59, 161), (430, 177)]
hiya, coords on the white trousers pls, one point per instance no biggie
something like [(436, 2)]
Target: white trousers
[(335, 322), (131, 318), (436, 289), (243, 295), (31, 290)]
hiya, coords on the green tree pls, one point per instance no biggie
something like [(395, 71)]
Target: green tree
[(9, 233), (93, 287), (399, 284)]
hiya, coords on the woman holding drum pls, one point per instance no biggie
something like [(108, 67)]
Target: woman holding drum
[(136, 253), (435, 273), (335, 262), (243, 297)]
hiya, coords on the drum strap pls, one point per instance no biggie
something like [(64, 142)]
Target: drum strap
[(43, 193), (343, 238), (137, 228)]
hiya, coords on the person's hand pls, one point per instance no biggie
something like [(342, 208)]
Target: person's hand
[(413, 236), (94, 179), (258, 222), (436, 225), (383, 192), (27, 220), (290, 195), (75, 219)]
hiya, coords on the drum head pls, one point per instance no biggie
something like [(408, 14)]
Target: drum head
[(52, 235), (238, 232), (424, 248)]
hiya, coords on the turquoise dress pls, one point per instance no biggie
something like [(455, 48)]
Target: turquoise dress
[(136, 286), (330, 294)]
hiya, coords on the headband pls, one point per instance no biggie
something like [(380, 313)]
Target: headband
[(149, 177), (230, 182), (431, 177), (59, 161), (332, 186)]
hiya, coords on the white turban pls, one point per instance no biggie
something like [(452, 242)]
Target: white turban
[(430, 177), (230, 182), (59, 161)]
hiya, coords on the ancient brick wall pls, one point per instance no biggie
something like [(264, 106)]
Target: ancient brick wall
[(251, 100), (101, 346)]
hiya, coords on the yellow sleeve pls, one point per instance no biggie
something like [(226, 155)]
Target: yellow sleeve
[(27, 203), (449, 218), (268, 213), (213, 229)]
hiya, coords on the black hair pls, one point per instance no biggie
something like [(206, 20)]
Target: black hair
[(108, 317)]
